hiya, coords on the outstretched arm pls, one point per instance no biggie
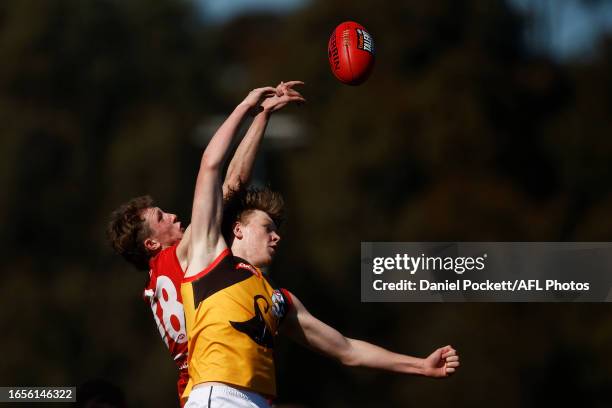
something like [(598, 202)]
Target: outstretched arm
[(313, 333), (241, 165), (206, 241)]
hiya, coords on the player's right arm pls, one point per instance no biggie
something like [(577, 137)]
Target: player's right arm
[(309, 331), (205, 240)]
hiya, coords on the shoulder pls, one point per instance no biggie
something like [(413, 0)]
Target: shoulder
[(164, 258), (220, 263), (201, 257), (165, 263)]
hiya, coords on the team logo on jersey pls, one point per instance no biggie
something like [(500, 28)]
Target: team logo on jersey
[(256, 327), (279, 306), (364, 41)]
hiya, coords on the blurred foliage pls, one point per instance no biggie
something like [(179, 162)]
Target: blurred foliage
[(460, 134)]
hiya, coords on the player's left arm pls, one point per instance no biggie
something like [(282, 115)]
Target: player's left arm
[(241, 165), (309, 331), (239, 171)]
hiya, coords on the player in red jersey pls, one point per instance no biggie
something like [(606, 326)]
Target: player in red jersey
[(154, 240)]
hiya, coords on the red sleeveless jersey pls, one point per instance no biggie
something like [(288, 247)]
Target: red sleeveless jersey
[(163, 293)]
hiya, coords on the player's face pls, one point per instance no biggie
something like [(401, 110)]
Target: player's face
[(165, 227), (260, 238)]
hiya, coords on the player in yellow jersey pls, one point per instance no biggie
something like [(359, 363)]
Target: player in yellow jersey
[(233, 312)]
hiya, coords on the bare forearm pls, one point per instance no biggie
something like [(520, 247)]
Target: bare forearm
[(206, 213), (241, 165), (365, 354), (313, 333), (217, 148)]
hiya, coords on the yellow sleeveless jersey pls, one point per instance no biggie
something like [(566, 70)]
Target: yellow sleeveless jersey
[(232, 314)]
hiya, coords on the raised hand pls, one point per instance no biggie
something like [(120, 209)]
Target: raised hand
[(285, 94), (441, 363), (257, 95)]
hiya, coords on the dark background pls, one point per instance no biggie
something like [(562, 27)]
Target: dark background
[(464, 132)]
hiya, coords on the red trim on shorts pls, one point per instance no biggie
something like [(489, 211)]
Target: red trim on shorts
[(287, 295), (210, 267)]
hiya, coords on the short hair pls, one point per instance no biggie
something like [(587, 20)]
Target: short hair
[(127, 231), (240, 202)]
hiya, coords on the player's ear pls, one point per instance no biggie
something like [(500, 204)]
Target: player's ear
[(237, 230), (152, 245)]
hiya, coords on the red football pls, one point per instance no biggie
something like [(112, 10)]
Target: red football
[(351, 53)]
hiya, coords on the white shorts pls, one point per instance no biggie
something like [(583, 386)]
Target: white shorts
[(224, 396)]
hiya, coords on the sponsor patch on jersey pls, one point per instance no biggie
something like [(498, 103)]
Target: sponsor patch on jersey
[(249, 267), (364, 41), (279, 306)]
